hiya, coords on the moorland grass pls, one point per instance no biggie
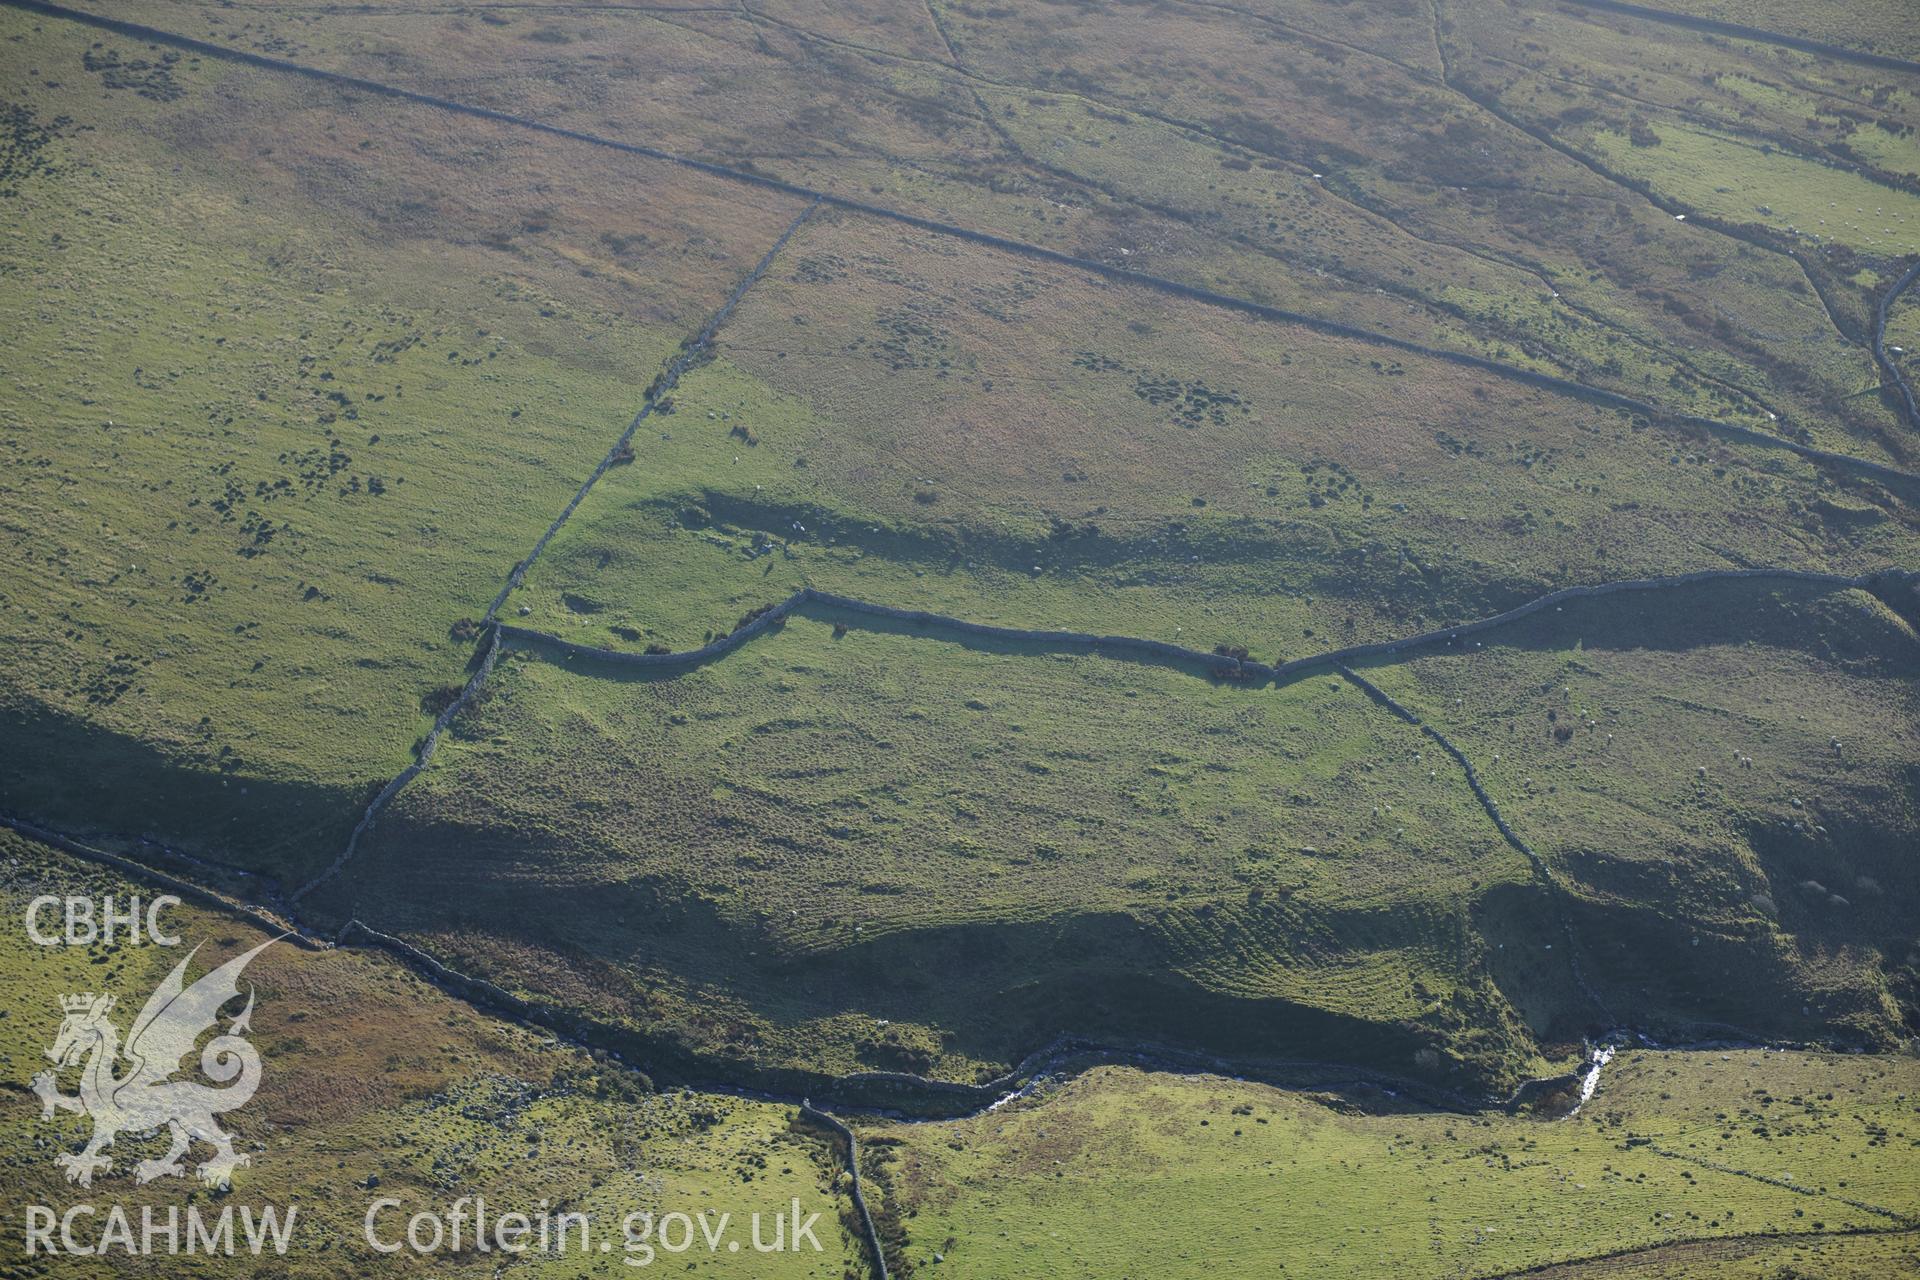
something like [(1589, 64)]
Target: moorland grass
[(270, 434), (1146, 137), (1127, 1172), (306, 374), (822, 830), (375, 1084), (1877, 26), (893, 417), (1724, 780), (1384, 130)]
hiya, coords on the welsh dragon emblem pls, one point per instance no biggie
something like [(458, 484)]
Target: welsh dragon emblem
[(146, 1098)]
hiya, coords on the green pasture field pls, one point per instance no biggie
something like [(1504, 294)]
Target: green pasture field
[(1124, 1172), (269, 434), (1740, 181)]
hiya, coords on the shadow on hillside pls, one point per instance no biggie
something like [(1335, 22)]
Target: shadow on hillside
[(1779, 613), (613, 668), (697, 986), (84, 780)]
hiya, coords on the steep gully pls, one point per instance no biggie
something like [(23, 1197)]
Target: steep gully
[(1024, 1076), (903, 1095), (894, 1096)]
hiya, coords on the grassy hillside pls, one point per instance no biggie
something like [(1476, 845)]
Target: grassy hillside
[(1365, 164), (302, 376), (894, 417), (982, 844), (1128, 1172), (297, 390), (375, 1084), (977, 846), (1725, 782)]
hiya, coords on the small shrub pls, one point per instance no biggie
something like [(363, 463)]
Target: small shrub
[(434, 701), (751, 616)]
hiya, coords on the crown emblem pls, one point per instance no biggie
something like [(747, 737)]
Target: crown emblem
[(130, 1087)]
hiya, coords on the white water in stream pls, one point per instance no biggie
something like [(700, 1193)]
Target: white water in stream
[(1602, 1055)]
